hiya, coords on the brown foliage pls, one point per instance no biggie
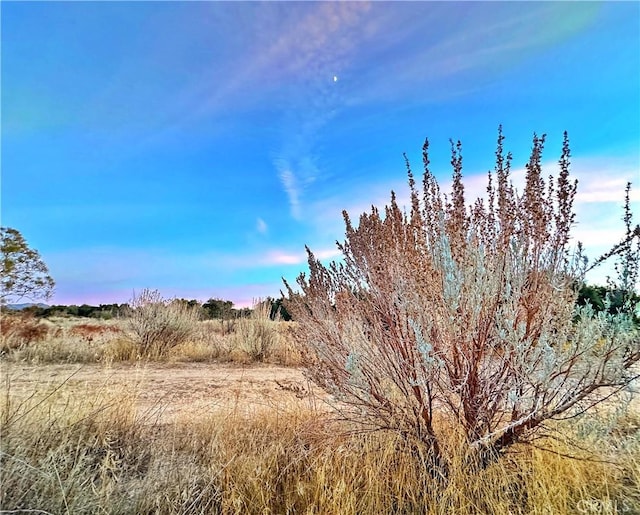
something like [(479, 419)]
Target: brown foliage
[(89, 332), (18, 330)]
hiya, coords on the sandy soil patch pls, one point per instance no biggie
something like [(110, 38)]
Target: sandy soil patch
[(165, 392), (171, 390)]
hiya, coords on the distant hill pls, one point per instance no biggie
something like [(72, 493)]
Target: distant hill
[(18, 307)]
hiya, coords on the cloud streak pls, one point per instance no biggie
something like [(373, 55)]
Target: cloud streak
[(435, 51), (311, 54), (291, 187), (278, 257), (261, 226)]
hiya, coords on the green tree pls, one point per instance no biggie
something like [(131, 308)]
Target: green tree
[(592, 295), (277, 309), (218, 309), (607, 298), (23, 274)]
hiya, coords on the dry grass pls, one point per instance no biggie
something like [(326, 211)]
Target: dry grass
[(20, 331), (261, 339), (101, 454), (80, 340), (63, 340)]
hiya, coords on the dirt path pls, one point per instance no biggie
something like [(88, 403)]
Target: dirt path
[(172, 389)]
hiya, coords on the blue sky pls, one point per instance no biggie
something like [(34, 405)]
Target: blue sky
[(196, 147)]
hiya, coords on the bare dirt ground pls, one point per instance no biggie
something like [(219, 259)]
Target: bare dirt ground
[(165, 392), (171, 390)]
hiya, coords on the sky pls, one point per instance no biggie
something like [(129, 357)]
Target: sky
[(197, 147)]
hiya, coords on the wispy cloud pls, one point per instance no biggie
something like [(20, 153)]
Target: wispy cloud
[(285, 56), (441, 42), (286, 46), (311, 55), (290, 185), (261, 226), (297, 258), (272, 258), (436, 49), (307, 44), (282, 258), (604, 178)]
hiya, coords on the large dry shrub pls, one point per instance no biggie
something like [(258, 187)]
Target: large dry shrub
[(463, 316), (159, 324)]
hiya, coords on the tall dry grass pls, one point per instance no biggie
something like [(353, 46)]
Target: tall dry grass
[(101, 454), (63, 340), (157, 325), (82, 340), (260, 339)]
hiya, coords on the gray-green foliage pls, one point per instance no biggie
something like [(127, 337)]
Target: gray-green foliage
[(159, 324), (456, 316)]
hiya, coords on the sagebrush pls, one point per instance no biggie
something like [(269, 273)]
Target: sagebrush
[(160, 324), (463, 316)]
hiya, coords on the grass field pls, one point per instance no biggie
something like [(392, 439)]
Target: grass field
[(84, 340), (208, 430)]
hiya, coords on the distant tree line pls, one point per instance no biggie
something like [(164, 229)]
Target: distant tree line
[(212, 309), (103, 311), (600, 298)]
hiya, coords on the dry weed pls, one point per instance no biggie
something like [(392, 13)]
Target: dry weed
[(62, 454)]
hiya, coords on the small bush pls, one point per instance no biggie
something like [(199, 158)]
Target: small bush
[(159, 324), (257, 334), (210, 334), (196, 351)]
